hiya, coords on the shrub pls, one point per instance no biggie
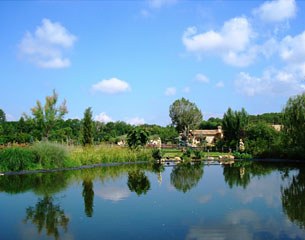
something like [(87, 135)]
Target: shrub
[(239, 155), (17, 159), (51, 155), (198, 154), (157, 153)]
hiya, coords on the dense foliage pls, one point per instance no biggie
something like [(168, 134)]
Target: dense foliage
[(45, 117), (87, 128), (294, 125), (185, 115), (234, 124)]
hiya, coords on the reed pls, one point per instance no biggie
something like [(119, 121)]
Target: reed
[(107, 154), (17, 159)]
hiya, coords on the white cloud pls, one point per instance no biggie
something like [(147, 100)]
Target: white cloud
[(136, 121), (277, 82), (160, 3), (202, 78), (45, 47), (103, 117), (111, 86), (113, 193), (186, 89), (171, 91), (232, 42), (292, 49), (220, 84), (276, 10)]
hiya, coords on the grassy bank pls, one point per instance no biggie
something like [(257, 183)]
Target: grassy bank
[(47, 155)]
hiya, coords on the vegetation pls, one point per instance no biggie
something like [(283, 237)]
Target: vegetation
[(45, 117), (48, 141), (87, 128), (234, 124), (294, 126), (137, 137), (17, 159), (185, 115)]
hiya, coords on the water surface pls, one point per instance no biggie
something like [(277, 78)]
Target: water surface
[(249, 201)]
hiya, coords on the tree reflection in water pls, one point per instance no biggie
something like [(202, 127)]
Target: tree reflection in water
[(236, 176), (47, 215), (185, 176), (138, 182), (88, 195), (293, 199)]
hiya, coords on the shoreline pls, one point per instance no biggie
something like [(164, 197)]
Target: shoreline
[(266, 160)]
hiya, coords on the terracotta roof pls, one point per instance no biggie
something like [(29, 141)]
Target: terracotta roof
[(212, 132)]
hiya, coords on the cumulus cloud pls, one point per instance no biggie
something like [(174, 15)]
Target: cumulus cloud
[(171, 91), (276, 10), (202, 78), (279, 82), (103, 117), (113, 193), (292, 49), (136, 121), (46, 46), (232, 42), (111, 86)]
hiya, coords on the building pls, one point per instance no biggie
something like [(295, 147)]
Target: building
[(209, 136)]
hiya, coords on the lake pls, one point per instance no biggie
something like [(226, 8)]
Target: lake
[(144, 201)]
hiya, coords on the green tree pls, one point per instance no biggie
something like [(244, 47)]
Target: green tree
[(47, 116), (234, 124), (137, 137), (185, 115), (2, 116), (294, 125), (261, 139), (87, 128)]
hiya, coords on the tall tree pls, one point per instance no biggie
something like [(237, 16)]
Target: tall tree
[(47, 116), (234, 124), (87, 128), (185, 115), (294, 123), (2, 116)]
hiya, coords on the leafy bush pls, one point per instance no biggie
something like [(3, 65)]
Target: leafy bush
[(51, 155), (17, 159), (198, 154), (157, 153), (239, 155)]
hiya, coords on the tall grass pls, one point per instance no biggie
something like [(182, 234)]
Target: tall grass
[(108, 154), (48, 155), (51, 155), (17, 159)]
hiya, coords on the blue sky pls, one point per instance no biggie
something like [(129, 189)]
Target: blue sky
[(130, 60)]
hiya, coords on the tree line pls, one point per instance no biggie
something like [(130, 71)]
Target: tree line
[(256, 131)]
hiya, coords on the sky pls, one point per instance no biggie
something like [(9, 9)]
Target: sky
[(130, 60)]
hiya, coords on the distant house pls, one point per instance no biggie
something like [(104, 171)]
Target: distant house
[(277, 127), (209, 136)]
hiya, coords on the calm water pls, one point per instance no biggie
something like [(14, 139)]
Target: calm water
[(257, 201)]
